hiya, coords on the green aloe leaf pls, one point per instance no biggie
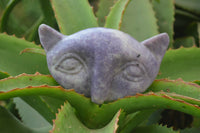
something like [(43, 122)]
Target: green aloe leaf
[(3, 4), (56, 92), (66, 121), (192, 30), (190, 130), (180, 87), (154, 129), (184, 42), (198, 29), (115, 16), (24, 80), (46, 106), (82, 18), (9, 124), (181, 63), (197, 82), (189, 5), (14, 63), (22, 17), (53, 103), (32, 33), (139, 20), (49, 17), (98, 116), (187, 14), (36, 102), (138, 102), (103, 10), (133, 120), (33, 50), (164, 10), (94, 116), (4, 75), (39, 105), (3, 23), (25, 111)]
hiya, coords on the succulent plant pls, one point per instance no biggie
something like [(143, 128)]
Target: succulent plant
[(32, 101)]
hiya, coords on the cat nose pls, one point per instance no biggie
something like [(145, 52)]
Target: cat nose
[(99, 91)]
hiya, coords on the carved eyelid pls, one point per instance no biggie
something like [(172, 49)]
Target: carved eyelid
[(70, 56), (129, 77), (136, 63)]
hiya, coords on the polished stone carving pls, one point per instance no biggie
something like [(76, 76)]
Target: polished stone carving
[(104, 64)]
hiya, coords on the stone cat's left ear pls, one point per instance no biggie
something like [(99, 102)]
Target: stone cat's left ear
[(157, 45), (49, 37)]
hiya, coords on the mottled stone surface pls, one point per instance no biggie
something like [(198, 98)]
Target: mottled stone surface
[(101, 63)]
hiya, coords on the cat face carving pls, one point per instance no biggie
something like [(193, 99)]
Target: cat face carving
[(104, 64)]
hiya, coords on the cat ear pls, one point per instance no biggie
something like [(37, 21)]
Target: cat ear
[(157, 45), (49, 37)]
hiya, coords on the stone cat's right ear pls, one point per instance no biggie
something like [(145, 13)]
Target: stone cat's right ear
[(157, 45), (49, 37)]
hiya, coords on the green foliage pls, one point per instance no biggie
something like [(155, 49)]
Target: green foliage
[(42, 105), (34, 50), (25, 111), (36, 102), (66, 121), (184, 42), (181, 63), (9, 124), (191, 5), (139, 20), (164, 10), (133, 120), (82, 17), (3, 75), (15, 63), (6, 13), (95, 116), (103, 10), (154, 129), (115, 16)]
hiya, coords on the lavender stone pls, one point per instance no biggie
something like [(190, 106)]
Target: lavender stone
[(104, 64)]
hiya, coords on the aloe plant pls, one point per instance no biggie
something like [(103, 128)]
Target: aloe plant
[(32, 101)]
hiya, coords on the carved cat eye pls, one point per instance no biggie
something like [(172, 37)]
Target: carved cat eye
[(133, 72), (70, 64)]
